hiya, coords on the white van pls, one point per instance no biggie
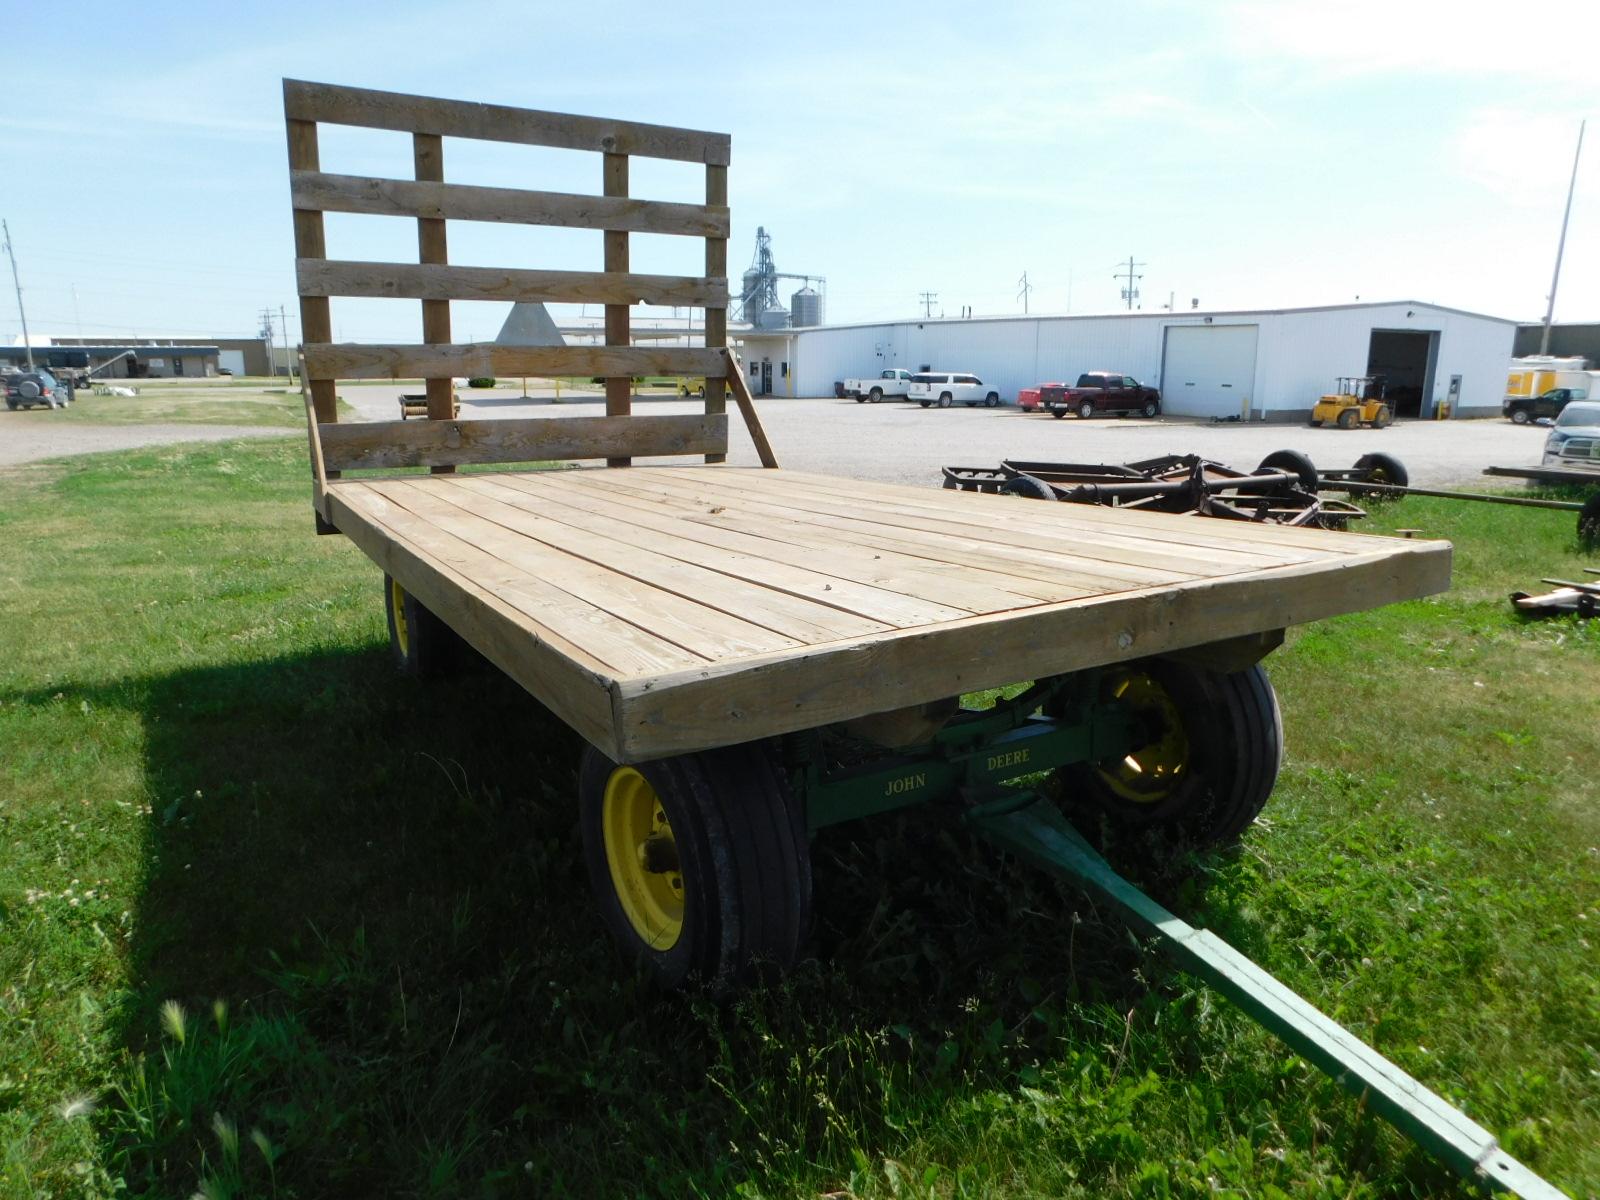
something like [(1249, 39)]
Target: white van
[(945, 387)]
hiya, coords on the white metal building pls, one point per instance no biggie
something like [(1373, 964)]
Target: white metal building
[(1269, 364)]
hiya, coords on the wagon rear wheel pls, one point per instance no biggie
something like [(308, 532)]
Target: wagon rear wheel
[(1213, 743), (422, 644), (699, 862)]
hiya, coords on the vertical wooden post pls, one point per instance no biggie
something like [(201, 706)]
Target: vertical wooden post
[(619, 392), (427, 151), (316, 325), (716, 318)]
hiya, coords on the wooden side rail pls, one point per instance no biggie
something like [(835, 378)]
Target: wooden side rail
[(388, 444), (361, 360), (303, 101), (432, 202)]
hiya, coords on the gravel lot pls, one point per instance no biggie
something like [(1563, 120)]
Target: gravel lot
[(24, 440), (905, 443)]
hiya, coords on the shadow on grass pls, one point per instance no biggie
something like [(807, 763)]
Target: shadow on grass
[(380, 883)]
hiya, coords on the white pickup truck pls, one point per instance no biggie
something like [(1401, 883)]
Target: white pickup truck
[(893, 384)]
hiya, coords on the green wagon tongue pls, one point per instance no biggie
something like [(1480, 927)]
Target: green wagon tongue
[(1039, 833)]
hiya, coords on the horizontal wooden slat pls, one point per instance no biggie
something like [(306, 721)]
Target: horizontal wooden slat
[(303, 101), (385, 444), (319, 191), (427, 281), (352, 360)]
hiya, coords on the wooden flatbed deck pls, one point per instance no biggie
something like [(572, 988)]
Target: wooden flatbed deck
[(660, 610)]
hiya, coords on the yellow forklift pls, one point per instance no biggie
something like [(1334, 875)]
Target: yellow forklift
[(1357, 400)]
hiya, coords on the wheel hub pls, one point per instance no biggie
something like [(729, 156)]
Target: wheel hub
[(1149, 773), (642, 854)]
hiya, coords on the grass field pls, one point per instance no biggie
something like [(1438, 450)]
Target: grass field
[(274, 921)]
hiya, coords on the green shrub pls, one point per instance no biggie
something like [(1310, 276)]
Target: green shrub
[(482, 381)]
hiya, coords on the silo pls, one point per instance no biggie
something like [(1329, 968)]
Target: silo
[(750, 295), (774, 318), (805, 307)]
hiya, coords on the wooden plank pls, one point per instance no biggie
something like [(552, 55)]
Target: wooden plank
[(537, 547), (1119, 546), (961, 589), (370, 109), (742, 525), (540, 609), (314, 190), (662, 535), (352, 360), (335, 277), (376, 445), (316, 320), (619, 389), (568, 681), (747, 410), (432, 249), (716, 320), (755, 699), (805, 620)]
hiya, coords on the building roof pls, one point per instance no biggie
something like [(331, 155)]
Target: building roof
[(144, 351), (1161, 314)]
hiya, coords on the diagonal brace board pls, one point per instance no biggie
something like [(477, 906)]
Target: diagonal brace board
[(1037, 832)]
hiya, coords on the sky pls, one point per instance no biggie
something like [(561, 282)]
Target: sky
[(1249, 153)]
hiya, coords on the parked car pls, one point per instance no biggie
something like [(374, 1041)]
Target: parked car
[(1522, 409), (1028, 398), (1575, 441), (1098, 392), (945, 387), (891, 384), (28, 388)]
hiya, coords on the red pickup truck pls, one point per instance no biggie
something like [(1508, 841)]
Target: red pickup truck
[(1098, 392)]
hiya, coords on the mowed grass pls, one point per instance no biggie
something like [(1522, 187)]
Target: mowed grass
[(275, 921), (192, 405)]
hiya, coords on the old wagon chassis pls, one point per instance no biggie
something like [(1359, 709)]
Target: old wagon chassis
[(753, 653)]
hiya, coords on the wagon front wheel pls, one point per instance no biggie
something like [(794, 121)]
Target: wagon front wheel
[(1211, 745), (699, 862)]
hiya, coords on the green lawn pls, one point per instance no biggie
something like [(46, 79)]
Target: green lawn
[(275, 921)]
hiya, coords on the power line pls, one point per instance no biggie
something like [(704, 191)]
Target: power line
[(1022, 294), (928, 301)]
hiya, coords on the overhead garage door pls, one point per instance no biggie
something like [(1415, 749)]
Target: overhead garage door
[(1208, 370), (231, 360)]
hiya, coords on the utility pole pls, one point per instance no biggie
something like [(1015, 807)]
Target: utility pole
[(283, 325), (267, 338), (928, 300), (27, 345), (1561, 246), (1025, 287), (1129, 292)]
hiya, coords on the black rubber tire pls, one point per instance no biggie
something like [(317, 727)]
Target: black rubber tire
[(1520, 416), (11, 404), (683, 390), (1235, 736), (432, 647), (992, 400), (875, 395), (700, 392), (1314, 423), (1086, 410), (1384, 468), (1058, 413), (1589, 523), (743, 854), (1028, 486), (1383, 418), (1348, 419), (861, 399), (1295, 461), (945, 399), (925, 403), (1150, 410)]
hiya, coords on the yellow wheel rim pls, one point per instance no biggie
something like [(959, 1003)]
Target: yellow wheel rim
[(402, 631), (1152, 772), (643, 856)]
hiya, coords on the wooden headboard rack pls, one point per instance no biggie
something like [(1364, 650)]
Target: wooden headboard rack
[(443, 442)]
